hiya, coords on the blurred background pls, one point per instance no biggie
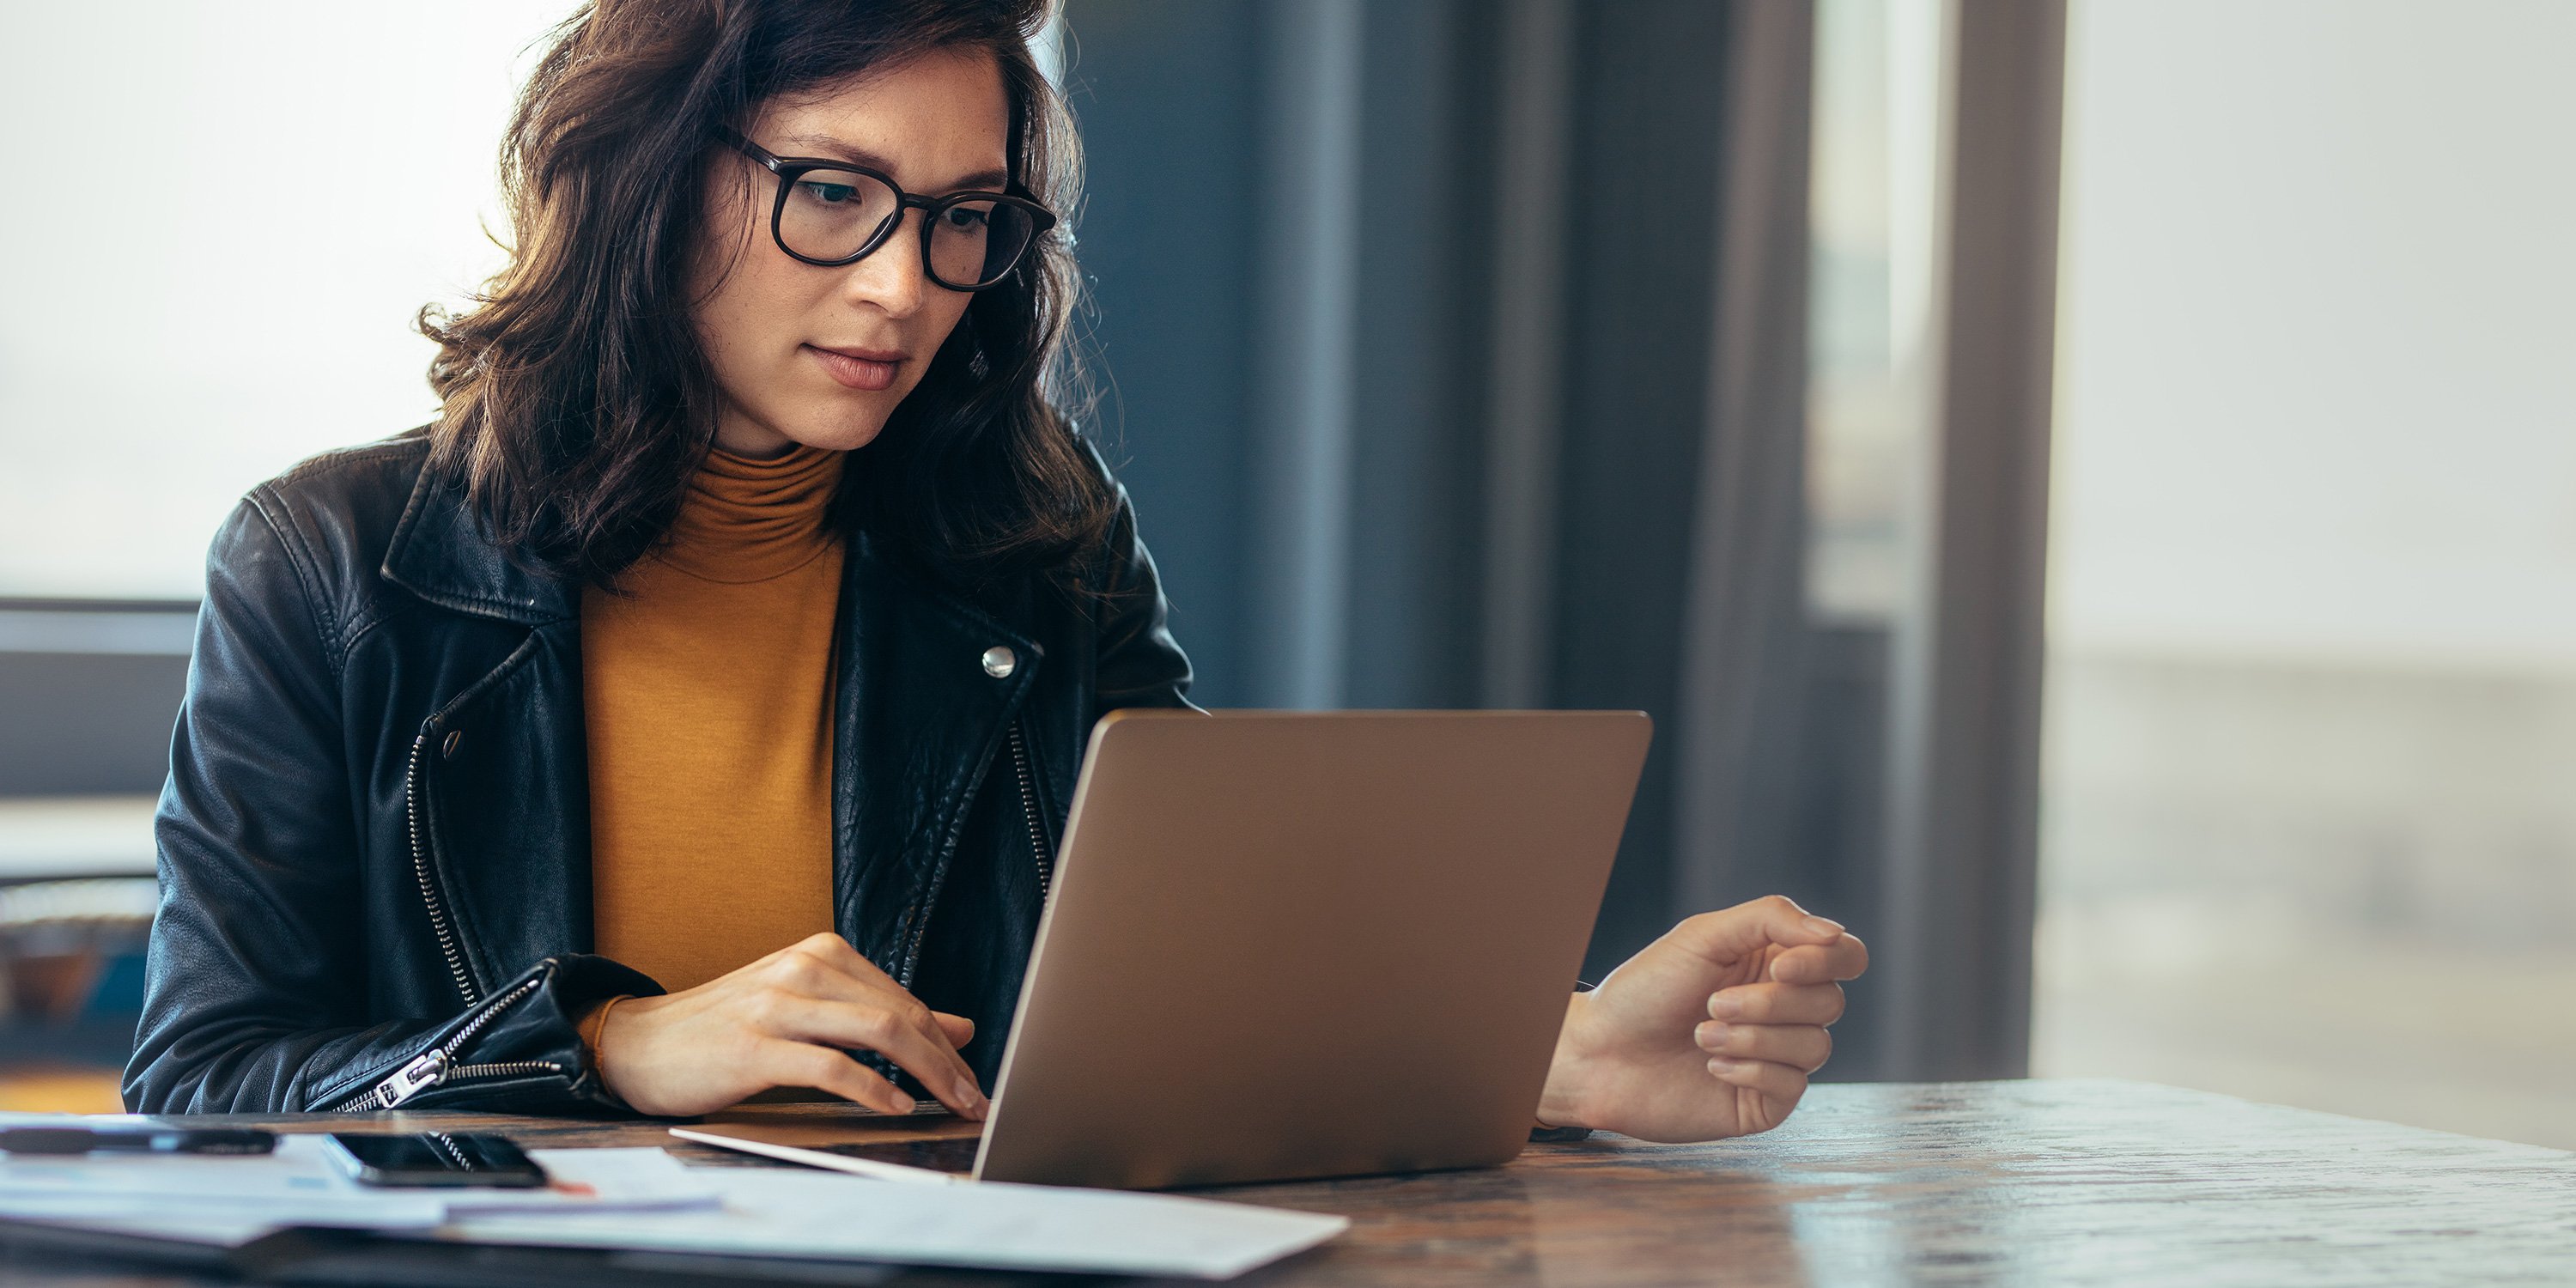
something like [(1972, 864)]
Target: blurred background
[(2087, 488)]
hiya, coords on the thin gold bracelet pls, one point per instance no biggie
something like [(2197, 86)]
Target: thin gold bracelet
[(599, 1038)]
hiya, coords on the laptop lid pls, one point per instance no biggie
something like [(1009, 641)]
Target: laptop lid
[(1288, 944)]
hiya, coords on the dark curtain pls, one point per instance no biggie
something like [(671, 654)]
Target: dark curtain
[(1456, 352)]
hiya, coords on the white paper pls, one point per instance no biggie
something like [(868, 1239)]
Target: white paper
[(239, 1197), (645, 1199), (222, 1221), (209, 1231), (598, 1180), (810, 1214)]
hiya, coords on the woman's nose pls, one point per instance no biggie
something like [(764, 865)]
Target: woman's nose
[(892, 278)]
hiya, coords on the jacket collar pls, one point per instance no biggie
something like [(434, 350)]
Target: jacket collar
[(441, 552)]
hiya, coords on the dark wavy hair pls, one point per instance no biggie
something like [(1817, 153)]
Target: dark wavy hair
[(576, 400)]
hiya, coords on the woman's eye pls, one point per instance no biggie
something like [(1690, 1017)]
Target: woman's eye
[(968, 218), (830, 194)]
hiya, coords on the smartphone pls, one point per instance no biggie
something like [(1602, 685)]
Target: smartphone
[(435, 1158)]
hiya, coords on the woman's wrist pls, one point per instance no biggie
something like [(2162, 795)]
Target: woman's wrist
[(594, 1036)]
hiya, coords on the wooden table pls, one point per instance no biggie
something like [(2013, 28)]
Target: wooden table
[(2041, 1182)]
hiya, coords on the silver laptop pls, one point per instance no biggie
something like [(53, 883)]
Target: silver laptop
[(1288, 945)]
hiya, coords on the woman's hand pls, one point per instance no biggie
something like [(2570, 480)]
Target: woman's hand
[(1710, 1031), (786, 1020)]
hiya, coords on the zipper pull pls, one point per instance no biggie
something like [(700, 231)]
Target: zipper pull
[(412, 1079)]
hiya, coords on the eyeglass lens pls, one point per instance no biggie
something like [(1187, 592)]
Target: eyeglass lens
[(830, 214)]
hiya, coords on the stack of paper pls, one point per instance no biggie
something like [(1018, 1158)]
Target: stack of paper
[(794, 1213), (643, 1199), (247, 1195)]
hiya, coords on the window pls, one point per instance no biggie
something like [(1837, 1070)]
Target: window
[(214, 247), (2310, 819)]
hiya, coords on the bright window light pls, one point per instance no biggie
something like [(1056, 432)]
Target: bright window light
[(221, 220)]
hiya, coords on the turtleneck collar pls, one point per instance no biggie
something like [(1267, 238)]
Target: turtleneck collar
[(745, 520)]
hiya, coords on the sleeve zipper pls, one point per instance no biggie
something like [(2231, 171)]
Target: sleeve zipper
[(436, 1066)]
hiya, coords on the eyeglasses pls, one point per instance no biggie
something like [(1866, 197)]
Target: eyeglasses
[(831, 213)]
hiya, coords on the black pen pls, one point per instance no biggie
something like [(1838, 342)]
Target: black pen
[(152, 1140)]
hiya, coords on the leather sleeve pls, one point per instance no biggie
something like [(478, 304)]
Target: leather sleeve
[(1140, 665), (253, 998)]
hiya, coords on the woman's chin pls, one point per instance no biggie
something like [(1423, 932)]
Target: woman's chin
[(841, 434)]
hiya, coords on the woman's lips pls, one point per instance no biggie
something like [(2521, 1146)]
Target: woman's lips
[(855, 372)]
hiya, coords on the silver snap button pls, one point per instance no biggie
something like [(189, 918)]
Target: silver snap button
[(1000, 661), (447, 746)]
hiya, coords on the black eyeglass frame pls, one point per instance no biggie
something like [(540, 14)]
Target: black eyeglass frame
[(791, 169)]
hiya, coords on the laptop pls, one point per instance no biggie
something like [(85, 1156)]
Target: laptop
[(1284, 945)]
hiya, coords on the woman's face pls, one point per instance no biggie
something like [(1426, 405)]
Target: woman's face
[(820, 356)]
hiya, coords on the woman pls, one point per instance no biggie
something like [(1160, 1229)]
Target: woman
[(698, 699)]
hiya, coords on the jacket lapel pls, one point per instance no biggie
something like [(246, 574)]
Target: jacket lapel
[(918, 721)]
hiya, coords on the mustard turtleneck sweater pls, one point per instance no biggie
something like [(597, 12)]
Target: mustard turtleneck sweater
[(706, 686)]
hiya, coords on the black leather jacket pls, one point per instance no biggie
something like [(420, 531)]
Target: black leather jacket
[(375, 839)]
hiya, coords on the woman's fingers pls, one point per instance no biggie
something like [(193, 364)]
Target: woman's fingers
[(887, 1019), (786, 1020), (912, 1040), (1779, 1085), (1775, 1003), (1805, 1047), (796, 1064), (1845, 958)]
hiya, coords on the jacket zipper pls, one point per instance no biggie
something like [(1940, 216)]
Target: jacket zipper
[(436, 1066), (1038, 847), (911, 958), (428, 882)]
